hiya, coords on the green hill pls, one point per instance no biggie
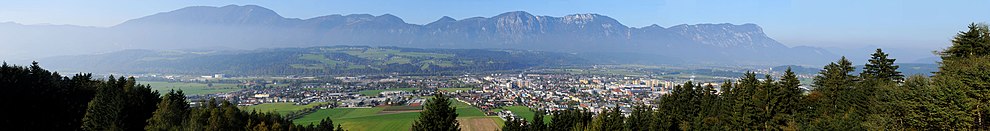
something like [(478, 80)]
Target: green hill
[(312, 60)]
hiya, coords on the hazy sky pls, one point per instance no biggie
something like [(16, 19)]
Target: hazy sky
[(914, 24)]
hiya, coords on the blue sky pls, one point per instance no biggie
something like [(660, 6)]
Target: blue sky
[(909, 24)]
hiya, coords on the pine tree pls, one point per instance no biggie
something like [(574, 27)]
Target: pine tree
[(787, 101), (339, 128), (837, 104), (325, 125), (974, 42), (937, 105), (537, 124), (881, 68), (60, 102), (567, 120), (171, 113), (744, 110), (964, 68), (614, 120), (641, 119), (438, 115)]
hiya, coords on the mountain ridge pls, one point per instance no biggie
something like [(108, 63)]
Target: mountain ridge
[(251, 27)]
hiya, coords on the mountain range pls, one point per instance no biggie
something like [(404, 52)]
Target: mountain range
[(313, 61), (252, 27)]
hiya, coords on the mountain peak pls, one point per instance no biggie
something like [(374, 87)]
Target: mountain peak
[(444, 19), (589, 18), (586, 16), (389, 18), (515, 14), (208, 15), (728, 35), (244, 7)]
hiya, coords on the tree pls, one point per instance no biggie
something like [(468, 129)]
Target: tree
[(641, 119), (785, 102), (607, 120), (925, 105), (964, 68), (881, 68), (55, 102), (837, 103), (835, 74), (325, 125), (339, 128), (81, 103), (567, 120), (438, 115), (537, 124), (514, 124), (973, 42), (172, 112), (120, 105)]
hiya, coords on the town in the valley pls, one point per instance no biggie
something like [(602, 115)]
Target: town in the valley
[(489, 92)]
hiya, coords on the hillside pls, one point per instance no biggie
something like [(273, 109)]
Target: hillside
[(312, 60)]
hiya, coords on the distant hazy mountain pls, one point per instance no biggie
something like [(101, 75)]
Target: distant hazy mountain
[(312, 61), (907, 69), (797, 69), (861, 54), (251, 27)]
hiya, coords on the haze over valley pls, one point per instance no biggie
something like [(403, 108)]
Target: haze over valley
[(248, 27)]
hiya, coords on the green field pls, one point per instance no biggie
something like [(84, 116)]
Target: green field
[(362, 118), (376, 92), (525, 113), (280, 108), (465, 110), (374, 119), (320, 58), (378, 57), (190, 88)]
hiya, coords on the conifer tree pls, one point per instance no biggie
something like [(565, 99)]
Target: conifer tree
[(566, 120), (881, 68), (325, 125), (964, 68), (973, 42), (786, 101), (120, 105), (171, 113), (642, 119), (339, 128), (836, 103), (438, 115), (537, 123)]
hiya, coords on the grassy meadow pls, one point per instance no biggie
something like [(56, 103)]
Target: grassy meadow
[(376, 119), (280, 108), (525, 113), (190, 88)]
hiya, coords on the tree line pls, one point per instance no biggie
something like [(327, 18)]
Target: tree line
[(38, 99)]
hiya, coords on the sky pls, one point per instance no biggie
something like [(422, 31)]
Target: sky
[(907, 24)]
